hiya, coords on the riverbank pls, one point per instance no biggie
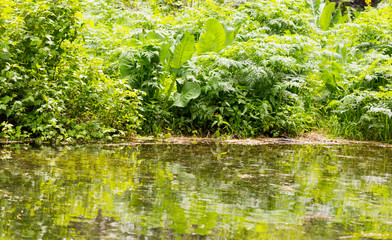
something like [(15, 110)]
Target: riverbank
[(312, 138)]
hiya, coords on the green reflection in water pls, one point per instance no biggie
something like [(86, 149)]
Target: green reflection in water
[(196, 192)]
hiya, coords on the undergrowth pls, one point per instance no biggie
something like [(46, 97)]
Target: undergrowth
[(202, 68), (51, 88)]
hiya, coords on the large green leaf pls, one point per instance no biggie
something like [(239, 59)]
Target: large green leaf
[(191, 90), (206, 43), (213, 39), (126, 64), (326, 16), (183, 51)]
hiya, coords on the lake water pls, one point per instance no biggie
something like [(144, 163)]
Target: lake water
[(196, 191)]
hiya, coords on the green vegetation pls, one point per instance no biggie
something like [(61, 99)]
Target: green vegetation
[(83, 70), (50, 86)]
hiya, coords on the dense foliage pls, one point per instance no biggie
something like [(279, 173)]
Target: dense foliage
[(81, 69), (50, 88)]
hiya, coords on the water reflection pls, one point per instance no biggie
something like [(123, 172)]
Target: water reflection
[(200, 191)]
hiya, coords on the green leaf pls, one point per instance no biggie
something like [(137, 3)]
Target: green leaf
[(183, 51), (343, 19), (338, 18), (206, 43), (6, 99), (213, 39), (35, 41), (329, 81), (231, 33), (191, 90), (164, 53), (4, 54), (153, 35), (342, 50), (314, 6), (126, 62), (326, 16)]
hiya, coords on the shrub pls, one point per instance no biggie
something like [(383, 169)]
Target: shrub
[(49, 88)]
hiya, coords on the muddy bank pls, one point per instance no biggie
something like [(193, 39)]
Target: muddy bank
[(313, 138)]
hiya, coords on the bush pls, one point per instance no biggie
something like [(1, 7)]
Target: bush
[(50, 88)]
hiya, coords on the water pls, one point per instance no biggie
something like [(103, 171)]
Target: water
[(197, 191)]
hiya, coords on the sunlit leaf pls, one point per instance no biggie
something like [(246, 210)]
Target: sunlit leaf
[(183, 51), (190, 91), (326, 16), (213, 39)]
